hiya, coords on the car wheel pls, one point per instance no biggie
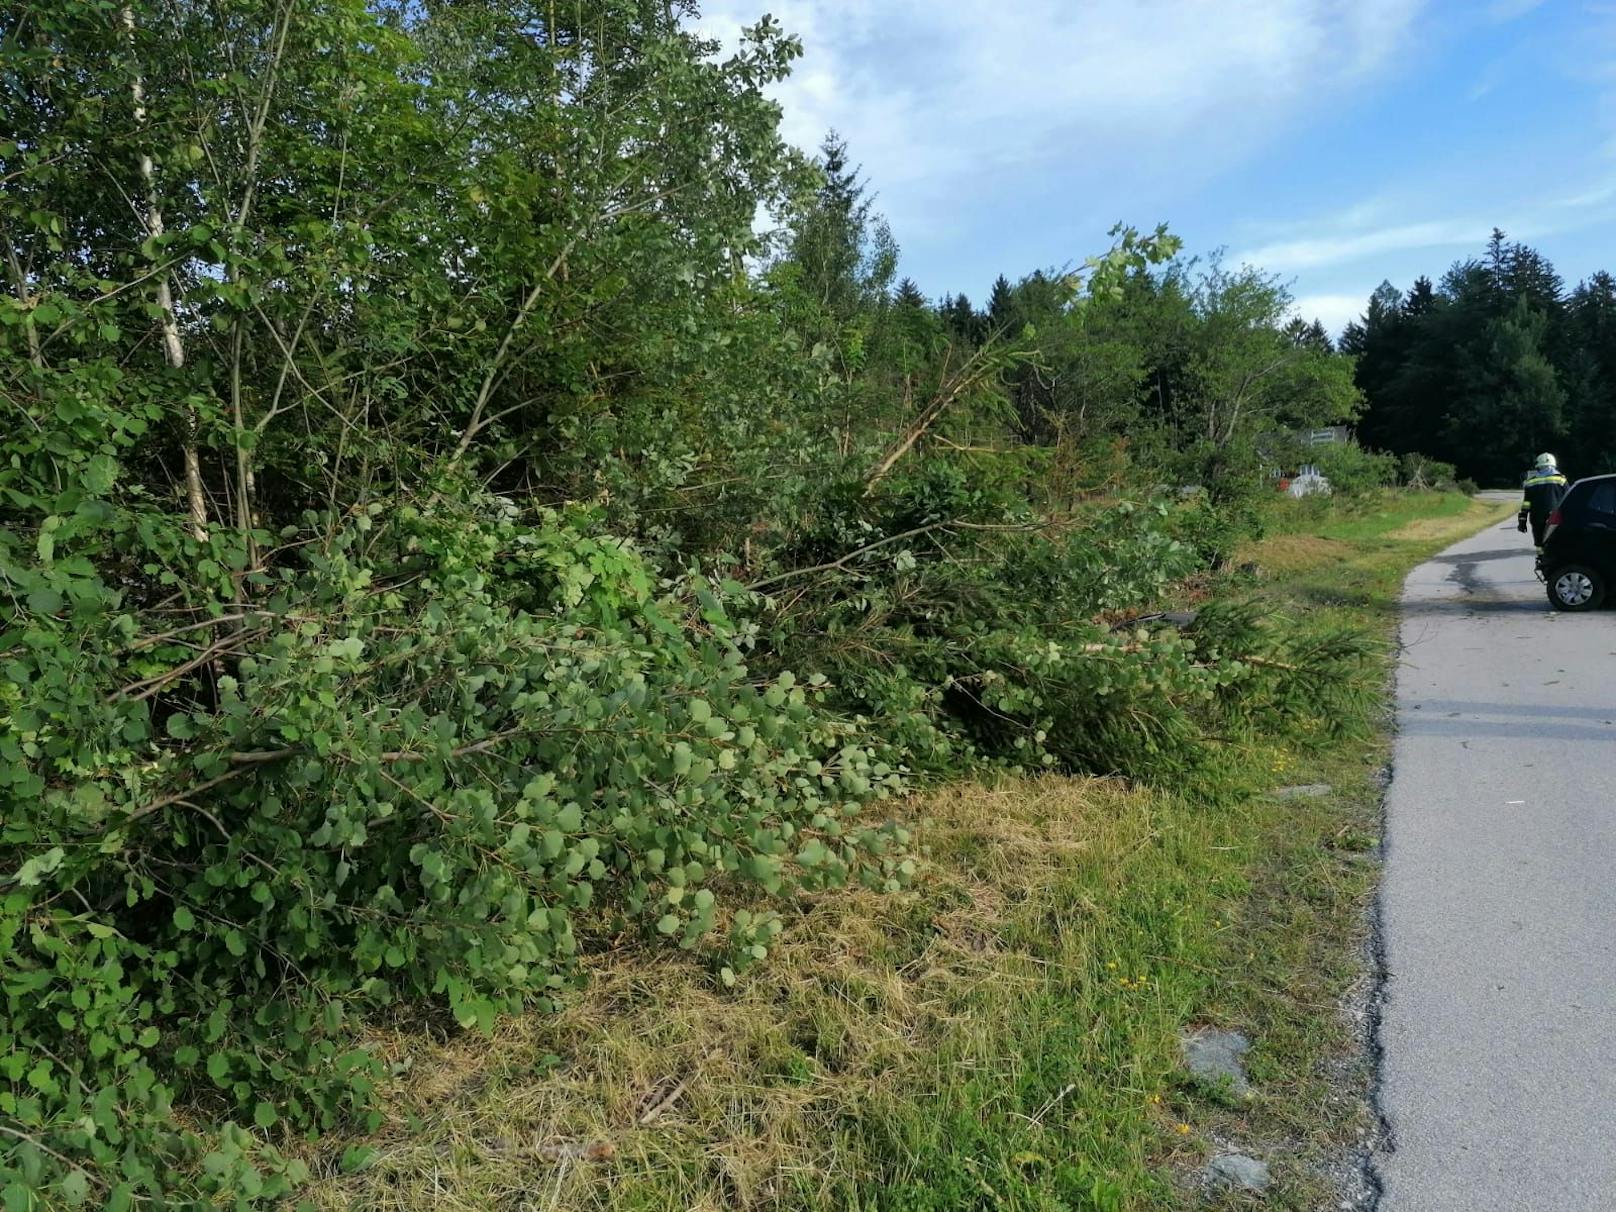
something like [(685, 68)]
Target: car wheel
[(1575, 587)]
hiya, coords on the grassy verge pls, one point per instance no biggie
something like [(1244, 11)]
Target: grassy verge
[(1005, 1036)]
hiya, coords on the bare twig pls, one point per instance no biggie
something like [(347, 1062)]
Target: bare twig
[(977, 367), (147, 687), (666, 1101), (496, 365), (847, 559)]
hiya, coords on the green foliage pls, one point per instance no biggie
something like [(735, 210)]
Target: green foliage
[(1354, 471), (405, 788), (428, 551), (1491, 365), (1418, 472)]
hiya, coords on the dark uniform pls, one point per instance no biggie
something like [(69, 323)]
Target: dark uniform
[(1544, 489)]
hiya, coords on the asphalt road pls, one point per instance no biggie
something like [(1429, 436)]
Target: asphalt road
[(1498, 908)]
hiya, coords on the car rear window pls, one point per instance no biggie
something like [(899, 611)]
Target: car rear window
[(1598, 498)]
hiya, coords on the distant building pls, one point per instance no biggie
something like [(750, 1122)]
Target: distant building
[(1331, 435)]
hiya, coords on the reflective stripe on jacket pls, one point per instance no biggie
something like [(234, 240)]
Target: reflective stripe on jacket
[(1542, 490)]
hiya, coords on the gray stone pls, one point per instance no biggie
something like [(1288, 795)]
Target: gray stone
[(1215, 1056), (1238, 1170), (1307, 791)]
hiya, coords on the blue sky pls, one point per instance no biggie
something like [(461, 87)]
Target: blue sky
[(1335, 143)]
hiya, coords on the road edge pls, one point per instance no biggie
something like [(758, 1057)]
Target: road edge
[(1382, 1141)]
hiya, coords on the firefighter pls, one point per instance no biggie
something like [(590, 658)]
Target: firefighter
[(1544, 488)]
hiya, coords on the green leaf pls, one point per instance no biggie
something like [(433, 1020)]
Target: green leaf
[(219, 1067), (75, 1187), (39, 1077), (46, 543), (234, 943), (100, 472), (265, 1115), (36, 869), (184, 919)]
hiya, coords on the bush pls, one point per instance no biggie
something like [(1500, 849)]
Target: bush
[(419, 786), (1420, 473), (1215, 533), (1354, 471), (300, 720)]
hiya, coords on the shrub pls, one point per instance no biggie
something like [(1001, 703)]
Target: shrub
[(421, 783), (1420, 473), (1354, 471)]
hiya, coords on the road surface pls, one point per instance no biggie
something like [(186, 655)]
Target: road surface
[(1499, 902)]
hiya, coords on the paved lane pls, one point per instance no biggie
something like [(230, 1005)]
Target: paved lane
[(1499, 902)]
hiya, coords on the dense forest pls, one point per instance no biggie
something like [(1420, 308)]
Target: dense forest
[(1491, 365), (442, 530)]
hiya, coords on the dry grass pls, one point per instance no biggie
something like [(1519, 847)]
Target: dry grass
[(1406, 521), (1003, 1036), (1426, 530), (1290, 553), (694, 1097)]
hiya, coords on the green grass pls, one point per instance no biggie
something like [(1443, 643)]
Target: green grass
[(1372, 518), (1005, 1036)]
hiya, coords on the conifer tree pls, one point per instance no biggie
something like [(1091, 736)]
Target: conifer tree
[(1001, 303)]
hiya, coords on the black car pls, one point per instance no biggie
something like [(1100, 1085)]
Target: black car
[(1578, 563)]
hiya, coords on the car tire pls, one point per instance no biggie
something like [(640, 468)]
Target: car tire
[(1576, 587)]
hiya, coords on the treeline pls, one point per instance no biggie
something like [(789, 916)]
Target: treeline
[(1491, 365), (439, 534)]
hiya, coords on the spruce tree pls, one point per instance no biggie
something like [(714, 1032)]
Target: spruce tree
[(1001, 303), (1591, 375), (961, 318), (1421, 298)]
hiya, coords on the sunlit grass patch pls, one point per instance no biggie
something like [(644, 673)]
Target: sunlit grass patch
[(1009, 1027)]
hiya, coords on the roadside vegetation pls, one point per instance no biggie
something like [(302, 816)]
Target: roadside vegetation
[(1004, 1034), (451, 557)]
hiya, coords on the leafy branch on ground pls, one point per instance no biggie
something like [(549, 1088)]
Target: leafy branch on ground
[(441, 536)]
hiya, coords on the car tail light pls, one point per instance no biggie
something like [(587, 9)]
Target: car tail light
[(1556, 517)]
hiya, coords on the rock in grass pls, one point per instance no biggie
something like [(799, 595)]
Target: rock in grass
[(1238, 1170), (1215, 1057), (1306, 791)]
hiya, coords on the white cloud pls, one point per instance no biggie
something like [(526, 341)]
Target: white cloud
[(1598, 195), (1335, 248), (1334, 311), (1361, 233), (931, 93)]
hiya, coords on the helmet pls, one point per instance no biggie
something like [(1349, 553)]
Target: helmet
[(1545, 460)]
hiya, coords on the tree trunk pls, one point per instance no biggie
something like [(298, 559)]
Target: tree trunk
[(19, 284), (173, 346)]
